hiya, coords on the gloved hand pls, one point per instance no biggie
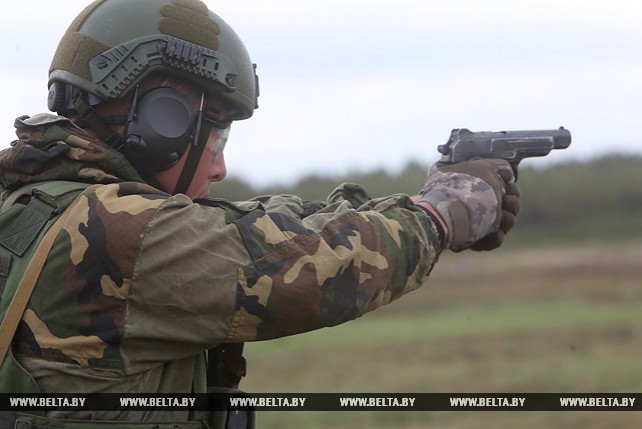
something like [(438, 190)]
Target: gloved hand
[(478, 200)]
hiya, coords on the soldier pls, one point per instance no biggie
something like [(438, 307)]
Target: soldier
[(142, 273)]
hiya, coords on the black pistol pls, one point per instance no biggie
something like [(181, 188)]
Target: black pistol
[(512, 146)]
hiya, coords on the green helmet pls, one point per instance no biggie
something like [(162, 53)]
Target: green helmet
[(113, 44)]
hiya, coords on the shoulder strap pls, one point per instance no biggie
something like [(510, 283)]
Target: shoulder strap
[(45, 202), (25, 287), (13, 196)]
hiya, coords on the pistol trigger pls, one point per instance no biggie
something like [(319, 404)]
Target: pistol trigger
[(514, 167)]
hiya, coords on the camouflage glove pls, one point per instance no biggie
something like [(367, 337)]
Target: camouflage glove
[(478, 200)]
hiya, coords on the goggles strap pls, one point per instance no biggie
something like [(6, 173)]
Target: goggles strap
[(196, 149)]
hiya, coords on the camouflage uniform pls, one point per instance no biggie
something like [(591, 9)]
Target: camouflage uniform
[(140, 282)]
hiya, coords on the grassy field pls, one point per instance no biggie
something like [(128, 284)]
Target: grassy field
[(560, 319)]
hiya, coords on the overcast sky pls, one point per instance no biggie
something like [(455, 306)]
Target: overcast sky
[(362, 84)]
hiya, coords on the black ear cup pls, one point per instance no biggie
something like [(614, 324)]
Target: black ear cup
[(159, 130), (59, 98)]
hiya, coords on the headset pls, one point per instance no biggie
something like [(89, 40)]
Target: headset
[(159, 127), (165, 117)]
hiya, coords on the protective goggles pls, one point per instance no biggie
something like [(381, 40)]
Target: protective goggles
[(208, 117)]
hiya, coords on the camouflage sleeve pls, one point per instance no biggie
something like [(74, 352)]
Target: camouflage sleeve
[(297, 207), (334, 266), (290, 205), (222, 273)]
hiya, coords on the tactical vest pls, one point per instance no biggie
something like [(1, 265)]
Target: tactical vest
[(23, 230)]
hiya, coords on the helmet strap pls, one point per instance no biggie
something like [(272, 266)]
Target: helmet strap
[(89, 116)]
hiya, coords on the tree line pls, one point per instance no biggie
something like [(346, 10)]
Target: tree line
[(599, 199)]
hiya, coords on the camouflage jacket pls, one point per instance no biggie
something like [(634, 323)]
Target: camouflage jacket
[(140, 282)]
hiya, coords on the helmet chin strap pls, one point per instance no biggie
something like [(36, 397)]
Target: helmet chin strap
[(197, 146), (88, 116)]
